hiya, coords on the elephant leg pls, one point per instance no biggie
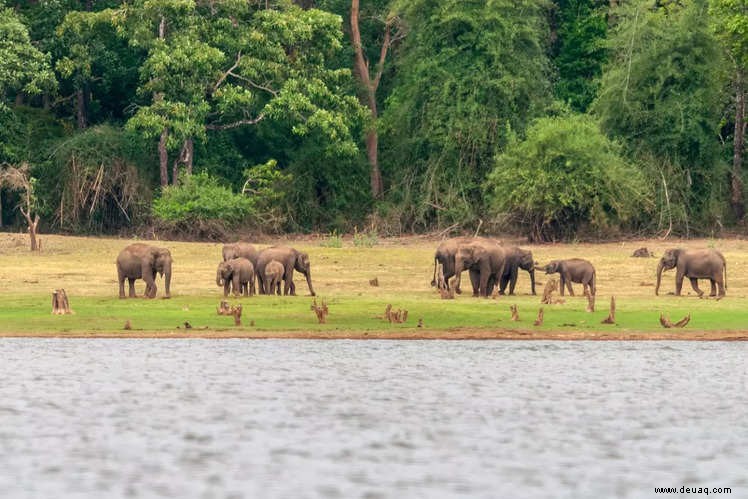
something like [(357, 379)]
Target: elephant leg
[(721, 287), (503, 282), (226, 287), (695, 286), (562, 285), (475, 281), (131, 287), (513, 280), (568, 285), (236, 285), (713, 290), (678, 283)]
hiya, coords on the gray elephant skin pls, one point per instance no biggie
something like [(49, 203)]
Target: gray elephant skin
[(238, 273), (143, 261), (484, 259), (273, 277), (573, 270), (516, 259), (445, 255), (695, 264), (291, 259)]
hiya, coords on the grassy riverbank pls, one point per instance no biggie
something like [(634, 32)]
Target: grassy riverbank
[(404, 266)]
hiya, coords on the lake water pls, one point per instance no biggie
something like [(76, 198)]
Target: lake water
[(285, 418)]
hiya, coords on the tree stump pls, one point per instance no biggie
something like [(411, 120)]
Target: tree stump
[(397, 316), (60, 304), (539, 320), (665, 321), (320, 311), (611, 319), (225, 309), (550, 287), (515, 312), (374, 282), (128, 326)]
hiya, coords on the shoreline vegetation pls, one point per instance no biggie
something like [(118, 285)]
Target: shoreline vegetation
[(403, 268)]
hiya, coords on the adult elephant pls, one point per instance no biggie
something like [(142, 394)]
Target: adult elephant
[(143, 261), (292, 260), (517, 258), (445, 255), (573, 270), (695, 264), (485, 259)]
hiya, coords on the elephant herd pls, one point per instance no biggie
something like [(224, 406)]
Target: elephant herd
[(489, 263), (242, 264)]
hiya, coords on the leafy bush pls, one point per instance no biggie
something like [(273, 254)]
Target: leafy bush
[(201, 207), (366, 239), (334, 240), (564, 177)]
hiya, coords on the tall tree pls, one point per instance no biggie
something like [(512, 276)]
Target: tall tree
[(730, 19), (369, 83)]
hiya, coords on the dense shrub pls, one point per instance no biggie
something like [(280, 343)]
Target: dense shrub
[(565, 177), (201, 207)]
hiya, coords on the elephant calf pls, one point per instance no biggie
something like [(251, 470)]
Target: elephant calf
[(239, 273), (573, 270), (274, 272)]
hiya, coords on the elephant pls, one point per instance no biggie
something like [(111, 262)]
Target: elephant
[(445, 255), (485, 259), (241, 249), (573, 270), (695, 264), (273, 277), (291, 259), (517, 258), (239, 273), (143, 261)]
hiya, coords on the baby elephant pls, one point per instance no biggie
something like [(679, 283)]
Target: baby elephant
[(238, 272), (274, 272), (573, 270)]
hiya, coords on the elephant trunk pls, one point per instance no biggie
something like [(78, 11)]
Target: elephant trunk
[(660, 267), (308, 275), (532, 279), (167, 280), (219, 278)]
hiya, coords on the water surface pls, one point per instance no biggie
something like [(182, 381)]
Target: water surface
[(290, 418)]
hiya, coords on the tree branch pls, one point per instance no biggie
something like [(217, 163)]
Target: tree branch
[(227, 73), (382, 56), (235, 124)]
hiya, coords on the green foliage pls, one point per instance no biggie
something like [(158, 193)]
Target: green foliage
[(661, 93), (334, 240), (466, 73), (366, 239), (730, 20), (579, 53), (200, 205), (22, 66), (566, 176)]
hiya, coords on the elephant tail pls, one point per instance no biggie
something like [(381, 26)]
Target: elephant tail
[(593, 284)]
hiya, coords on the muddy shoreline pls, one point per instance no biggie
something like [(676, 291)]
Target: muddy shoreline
[(456, 334)]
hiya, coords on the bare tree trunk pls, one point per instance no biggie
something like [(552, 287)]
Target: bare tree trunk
[(33, 224), (736, 199), (184, 158), (163, 158), (369, 89), (1, 207), (19, 99), (81, 100)]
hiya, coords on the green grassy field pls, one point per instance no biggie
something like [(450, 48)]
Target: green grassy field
[(85, 268)]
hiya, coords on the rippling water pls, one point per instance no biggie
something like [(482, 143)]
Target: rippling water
[(277, 418)]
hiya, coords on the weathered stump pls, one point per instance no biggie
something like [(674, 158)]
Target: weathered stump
[(550, 287), (611, 319), (374, 282), (515, 312), (665, 321), (397, 316), (539, 320), (225, 309), (320, 310), (60, 304)]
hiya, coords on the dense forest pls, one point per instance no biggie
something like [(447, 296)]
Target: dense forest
[(556, 119)]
